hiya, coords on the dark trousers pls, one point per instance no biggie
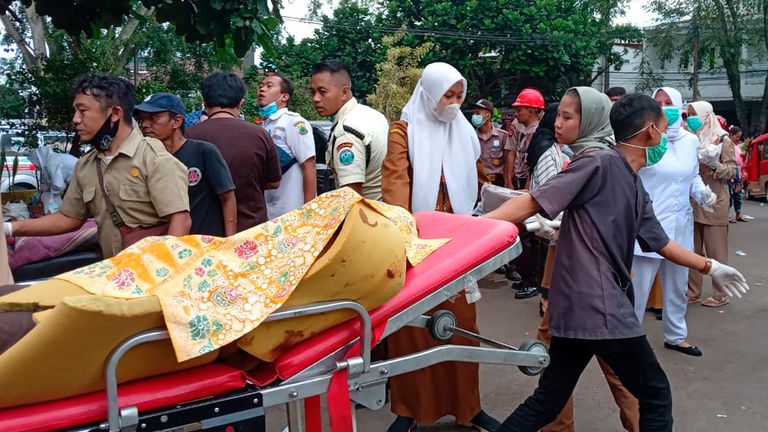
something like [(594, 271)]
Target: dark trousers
[(631, 359)]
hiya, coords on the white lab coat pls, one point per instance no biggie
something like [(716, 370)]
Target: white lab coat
[(670, 184)]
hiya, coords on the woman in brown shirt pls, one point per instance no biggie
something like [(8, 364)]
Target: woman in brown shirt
[(717, 168), (431, 165)]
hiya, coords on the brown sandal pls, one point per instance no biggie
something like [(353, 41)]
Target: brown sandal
[(713, 302), (692, 300)]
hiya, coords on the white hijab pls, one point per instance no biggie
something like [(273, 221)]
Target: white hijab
[(710, 133), (673, 130), (435, 146)]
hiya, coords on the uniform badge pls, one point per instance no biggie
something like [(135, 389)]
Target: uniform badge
[(302, 127), (346, 157), (134, 172), (194, 175), (496, 162), (342, 146)]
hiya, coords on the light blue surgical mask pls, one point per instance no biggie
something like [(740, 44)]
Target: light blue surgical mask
[(477, 120), (694, 123), (268, 110), (672, 113)]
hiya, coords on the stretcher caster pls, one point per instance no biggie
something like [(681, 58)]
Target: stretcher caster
[(441, 325), (533, 346)]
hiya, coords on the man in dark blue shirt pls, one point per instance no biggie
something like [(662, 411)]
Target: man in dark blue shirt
[(211, 190), (606, 210)]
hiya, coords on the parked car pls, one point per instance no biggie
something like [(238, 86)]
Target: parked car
[(26, 174)]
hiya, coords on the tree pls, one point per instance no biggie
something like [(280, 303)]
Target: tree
[(504, 46), (45, 77), (712, 36), (227, 23), (397, 75)]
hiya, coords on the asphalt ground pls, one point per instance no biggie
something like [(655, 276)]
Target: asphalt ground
[(725, 390)]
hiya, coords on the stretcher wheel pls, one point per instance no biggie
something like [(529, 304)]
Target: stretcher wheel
[(441, 323), (532, 346)]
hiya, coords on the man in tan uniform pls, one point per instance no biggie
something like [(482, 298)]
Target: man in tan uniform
[(146, 184), (358, 141), (492, 143)]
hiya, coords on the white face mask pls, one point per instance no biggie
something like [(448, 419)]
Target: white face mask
[(447, 113)]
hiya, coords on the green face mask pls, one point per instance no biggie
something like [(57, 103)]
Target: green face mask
[(672, 113), (694, 123), (652, 154)]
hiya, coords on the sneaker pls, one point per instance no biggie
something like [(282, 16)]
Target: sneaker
[(527, 292), (484, 422)]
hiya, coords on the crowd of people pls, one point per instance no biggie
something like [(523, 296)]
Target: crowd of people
[(642, 186)]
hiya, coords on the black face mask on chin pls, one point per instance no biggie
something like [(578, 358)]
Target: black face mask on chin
[(103, 138)]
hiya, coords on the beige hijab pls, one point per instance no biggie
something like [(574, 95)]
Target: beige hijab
[(710, 132)]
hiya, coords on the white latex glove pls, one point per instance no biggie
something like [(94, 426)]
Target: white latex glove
[(706, 199), (8, 228), (729, 279), (544, 230), (709, 155)]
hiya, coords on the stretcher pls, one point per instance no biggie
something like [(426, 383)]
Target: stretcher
[(336, 362)]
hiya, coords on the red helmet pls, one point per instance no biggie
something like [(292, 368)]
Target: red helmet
[(723, 122), (531, 98)]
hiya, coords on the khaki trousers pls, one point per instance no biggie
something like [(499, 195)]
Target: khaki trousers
[(629, 408), (712, 242)]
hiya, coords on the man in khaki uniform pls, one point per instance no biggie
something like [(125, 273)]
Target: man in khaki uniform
[(146, 184), (492, 143), (358, 140)]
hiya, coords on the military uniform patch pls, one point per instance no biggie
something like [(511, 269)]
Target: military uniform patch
[(346, 157), (342, 146), (302, 127)]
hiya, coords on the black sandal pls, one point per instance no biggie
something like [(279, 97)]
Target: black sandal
[(690, 350)]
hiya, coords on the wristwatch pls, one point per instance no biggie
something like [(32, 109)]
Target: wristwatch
[(707, 266)]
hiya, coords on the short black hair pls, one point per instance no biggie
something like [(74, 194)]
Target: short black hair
[(630, 114), (616, 92), (109, 90), (222, 89), (332, 66), (286, 86), (734, 130)]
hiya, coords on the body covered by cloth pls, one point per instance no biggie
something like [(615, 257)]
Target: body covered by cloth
[(215, 290)]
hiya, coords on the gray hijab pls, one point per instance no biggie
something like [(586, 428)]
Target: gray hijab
[(595, 127)]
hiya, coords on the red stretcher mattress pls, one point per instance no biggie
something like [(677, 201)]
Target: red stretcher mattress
[(473, 242)]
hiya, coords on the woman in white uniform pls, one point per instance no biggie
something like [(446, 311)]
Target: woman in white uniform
[(671, 182)]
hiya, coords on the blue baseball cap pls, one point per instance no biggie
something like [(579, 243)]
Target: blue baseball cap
[(160, 102)]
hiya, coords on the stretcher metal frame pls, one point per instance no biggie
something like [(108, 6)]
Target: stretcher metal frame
[(367, 381)]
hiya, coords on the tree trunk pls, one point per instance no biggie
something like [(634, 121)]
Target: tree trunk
[(734, 81), (27, 56), (39, 34)]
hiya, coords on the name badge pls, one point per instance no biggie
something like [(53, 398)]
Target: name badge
[(496, 143)]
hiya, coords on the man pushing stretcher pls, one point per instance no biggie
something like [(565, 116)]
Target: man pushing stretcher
[(606, 210)]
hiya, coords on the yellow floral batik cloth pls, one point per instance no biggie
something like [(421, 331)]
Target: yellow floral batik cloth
[(214, 290)]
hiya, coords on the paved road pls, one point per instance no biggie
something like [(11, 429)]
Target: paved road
[(725, 390)]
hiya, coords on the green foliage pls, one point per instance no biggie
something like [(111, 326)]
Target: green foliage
[(11, 102), (397, 75), (235, 24), (507, 45)]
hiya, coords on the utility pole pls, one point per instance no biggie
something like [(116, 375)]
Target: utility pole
[(136, 68), (695, 71), (607, 71)]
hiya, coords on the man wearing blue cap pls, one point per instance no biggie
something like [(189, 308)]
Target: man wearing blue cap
[(211, 190)]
